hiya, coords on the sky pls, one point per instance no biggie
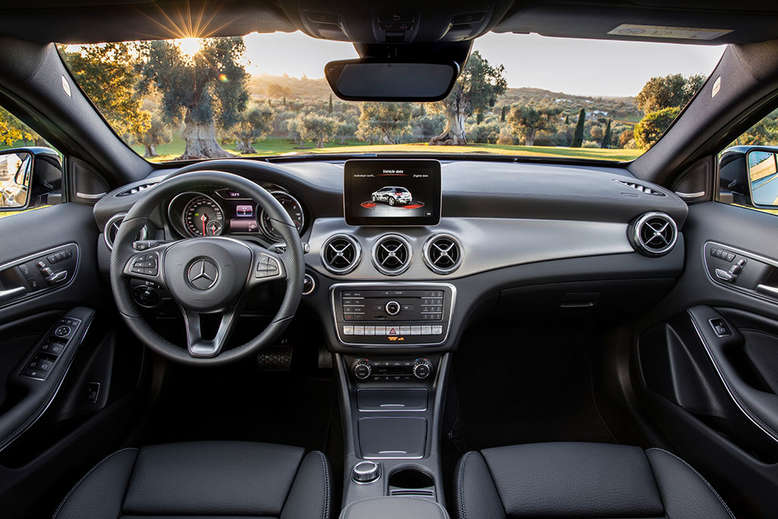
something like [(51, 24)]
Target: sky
[(572, 66)]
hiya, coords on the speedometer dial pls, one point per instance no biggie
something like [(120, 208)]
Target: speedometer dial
[(203, 217), (293, 208)]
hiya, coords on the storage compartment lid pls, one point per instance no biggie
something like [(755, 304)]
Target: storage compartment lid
[(392, 437), (394, 507)]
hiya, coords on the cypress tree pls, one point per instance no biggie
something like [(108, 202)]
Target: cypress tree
[(330, 108), (502, 113), (606, 139), (579, 130)]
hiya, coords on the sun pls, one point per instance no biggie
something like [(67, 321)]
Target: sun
[(190, 46)]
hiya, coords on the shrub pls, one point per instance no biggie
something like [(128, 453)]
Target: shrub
[(653, 125), (505, 136), (483, 133)]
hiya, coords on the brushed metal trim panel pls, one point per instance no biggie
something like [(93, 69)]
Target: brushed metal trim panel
[(487, 244)]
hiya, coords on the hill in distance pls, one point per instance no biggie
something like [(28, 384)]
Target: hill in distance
[(318, 91)]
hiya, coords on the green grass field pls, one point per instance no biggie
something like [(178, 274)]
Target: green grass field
[(277, 146)]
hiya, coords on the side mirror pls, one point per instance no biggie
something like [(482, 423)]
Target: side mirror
[(16, 167), (763, 177)]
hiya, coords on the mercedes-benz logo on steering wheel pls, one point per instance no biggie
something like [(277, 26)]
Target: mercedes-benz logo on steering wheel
[(202, 273)]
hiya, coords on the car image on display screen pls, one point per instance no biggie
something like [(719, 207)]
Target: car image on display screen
[(392, 195)]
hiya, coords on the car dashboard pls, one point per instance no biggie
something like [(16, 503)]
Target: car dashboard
[(510, 235)]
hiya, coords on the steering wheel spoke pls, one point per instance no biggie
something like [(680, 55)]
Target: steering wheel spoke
[(147, 265), (197, 345)]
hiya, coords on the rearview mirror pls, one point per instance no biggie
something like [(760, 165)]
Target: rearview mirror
[(377, 80), (15, 179), (763, 177)]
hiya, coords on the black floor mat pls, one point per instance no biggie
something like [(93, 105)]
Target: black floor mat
[(243, 403), (520, 385)]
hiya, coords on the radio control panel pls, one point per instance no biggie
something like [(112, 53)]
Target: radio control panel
[(407, 314)]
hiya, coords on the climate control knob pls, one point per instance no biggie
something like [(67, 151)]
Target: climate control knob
[(362, 369), (422, 369), (392, 307)]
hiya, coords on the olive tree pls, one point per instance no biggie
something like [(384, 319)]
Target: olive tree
[(206, 89), (252, 125), (476, 90)]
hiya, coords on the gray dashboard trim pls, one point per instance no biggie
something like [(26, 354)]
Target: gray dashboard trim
[(487, 244)]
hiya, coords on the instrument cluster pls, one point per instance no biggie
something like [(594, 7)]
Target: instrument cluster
[(216, 212)]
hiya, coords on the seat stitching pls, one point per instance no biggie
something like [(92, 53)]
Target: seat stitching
[(130, 480), (460, 490), (291, 485), (707, 484), (656, 484), (325, 469), (85, 476)]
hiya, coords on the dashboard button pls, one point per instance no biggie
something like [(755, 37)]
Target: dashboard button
[(392, 308)]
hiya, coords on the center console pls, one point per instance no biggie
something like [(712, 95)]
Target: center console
[(390, 338), (392, 406)]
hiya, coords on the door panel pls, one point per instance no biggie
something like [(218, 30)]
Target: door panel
[(66, 384), (707, 362)]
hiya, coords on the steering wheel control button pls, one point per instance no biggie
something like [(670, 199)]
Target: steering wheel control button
[(365, 472), (267, 267), (392, 308), (145, 264), (202, 273)]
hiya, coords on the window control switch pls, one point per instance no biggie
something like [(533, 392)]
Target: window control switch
[(720, 327)]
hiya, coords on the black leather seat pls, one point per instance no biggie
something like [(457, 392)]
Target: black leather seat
[(203, 480), (563, 480)]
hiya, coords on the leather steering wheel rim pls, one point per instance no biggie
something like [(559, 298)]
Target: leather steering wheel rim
[(291, 261)]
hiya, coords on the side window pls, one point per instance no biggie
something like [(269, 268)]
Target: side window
[(30, 168), (748, 168)]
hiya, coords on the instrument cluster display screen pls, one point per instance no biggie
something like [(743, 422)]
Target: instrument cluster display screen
[(391, 192)]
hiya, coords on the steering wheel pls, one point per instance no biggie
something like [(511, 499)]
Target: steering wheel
[(208, 275)]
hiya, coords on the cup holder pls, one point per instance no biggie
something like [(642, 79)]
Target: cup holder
[(410, 482)]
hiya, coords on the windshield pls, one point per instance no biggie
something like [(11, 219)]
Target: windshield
[(264, 94)]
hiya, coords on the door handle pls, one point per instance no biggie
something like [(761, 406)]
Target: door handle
[(11, 293), (767, 290)]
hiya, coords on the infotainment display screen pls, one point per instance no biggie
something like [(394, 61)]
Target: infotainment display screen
[(391, 192)]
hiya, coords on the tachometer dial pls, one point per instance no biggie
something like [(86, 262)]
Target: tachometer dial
[(293, 208), (203, 217)]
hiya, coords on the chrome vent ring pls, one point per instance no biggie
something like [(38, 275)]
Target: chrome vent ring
[(341, 254), (442, 253), (392, 254), (112, 229), (653, 234)]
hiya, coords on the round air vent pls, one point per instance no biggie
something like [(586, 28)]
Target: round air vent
[(653, 234), (341, 254), (392, 254), (442, 253), (112, 228)]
